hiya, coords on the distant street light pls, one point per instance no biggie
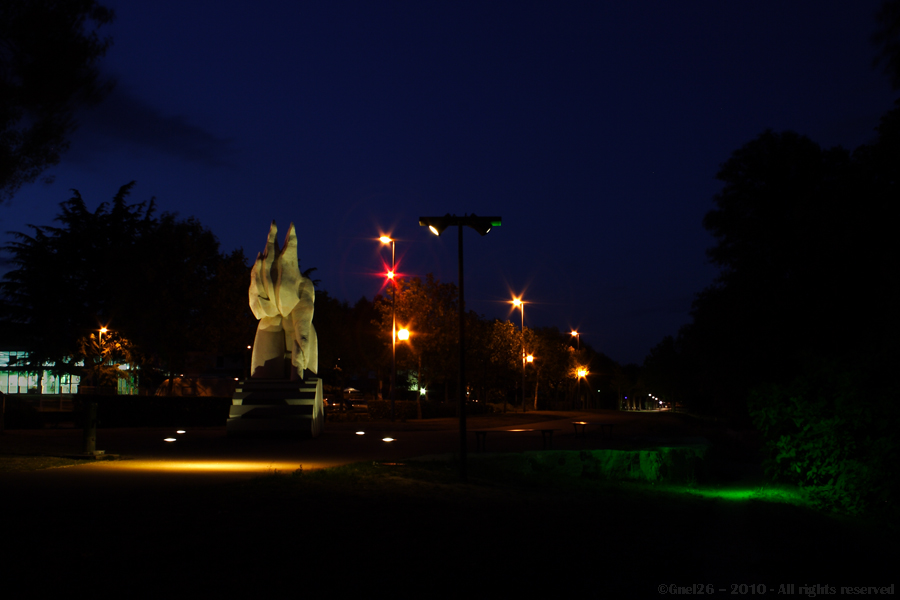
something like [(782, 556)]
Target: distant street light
[(390, 275), (482, 225), (577, 337), (520, 304)]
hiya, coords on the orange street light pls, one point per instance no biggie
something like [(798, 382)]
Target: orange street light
[(390, 275), (403, 334), (520, 304), (582, 374), (577, 337)]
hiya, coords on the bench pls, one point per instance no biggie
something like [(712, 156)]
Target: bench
[(603, 426)]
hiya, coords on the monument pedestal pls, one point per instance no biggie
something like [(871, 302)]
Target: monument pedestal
[(262, 406)]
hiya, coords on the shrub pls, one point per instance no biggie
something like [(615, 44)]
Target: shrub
[(830, 433)]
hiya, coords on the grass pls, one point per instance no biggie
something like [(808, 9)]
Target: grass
[(416, 528)]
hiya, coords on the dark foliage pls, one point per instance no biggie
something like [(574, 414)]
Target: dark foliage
[(49, 51), (157, 280), (887, 39), (833, 432)]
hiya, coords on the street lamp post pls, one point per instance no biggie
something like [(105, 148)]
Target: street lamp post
[(577, 337), (520, 304), (482, 225), (89, 445), (582, 373), (387, 240), (530, 358)]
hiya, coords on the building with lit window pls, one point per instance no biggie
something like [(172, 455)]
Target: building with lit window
[(18, 377)]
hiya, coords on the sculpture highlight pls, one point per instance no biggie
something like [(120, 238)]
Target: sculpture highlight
[(283, 300), (281, 395)]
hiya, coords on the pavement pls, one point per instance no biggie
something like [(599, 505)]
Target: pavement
[(209, 455)]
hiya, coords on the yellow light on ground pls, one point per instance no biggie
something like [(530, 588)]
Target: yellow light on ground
[(210, 466), (403, 334)]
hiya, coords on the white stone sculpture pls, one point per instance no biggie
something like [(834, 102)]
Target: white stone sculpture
[(283, 301)]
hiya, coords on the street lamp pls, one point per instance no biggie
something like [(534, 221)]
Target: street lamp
[(577, 337), (530, 359), (582, 374), (390, 275), (482, 225), (520, 304)]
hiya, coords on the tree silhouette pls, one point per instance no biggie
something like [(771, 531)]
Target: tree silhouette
[(887, 39), (157, 280), (48, 67)]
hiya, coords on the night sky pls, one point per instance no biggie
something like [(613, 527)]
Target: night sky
[(595, 129)]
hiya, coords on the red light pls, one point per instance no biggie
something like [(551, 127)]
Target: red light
[(390, 274)]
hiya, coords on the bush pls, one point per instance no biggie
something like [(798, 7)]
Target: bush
[(834, 436)]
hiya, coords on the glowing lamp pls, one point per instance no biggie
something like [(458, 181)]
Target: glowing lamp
[(482, 225), (403, 334)]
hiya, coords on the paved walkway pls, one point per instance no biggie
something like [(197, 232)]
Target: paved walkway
[(208, 455)]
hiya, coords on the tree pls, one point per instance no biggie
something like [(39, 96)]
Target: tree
[(887, 39), (158, 280), (49, 51), (103, 355), (429, 310), (787, 228)]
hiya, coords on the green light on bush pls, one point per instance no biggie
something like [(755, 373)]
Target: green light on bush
[(744, 493)]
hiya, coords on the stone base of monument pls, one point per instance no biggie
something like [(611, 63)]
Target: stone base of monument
[(277, 406)]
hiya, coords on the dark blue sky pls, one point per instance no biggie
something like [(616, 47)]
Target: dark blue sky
[(595, 129)]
